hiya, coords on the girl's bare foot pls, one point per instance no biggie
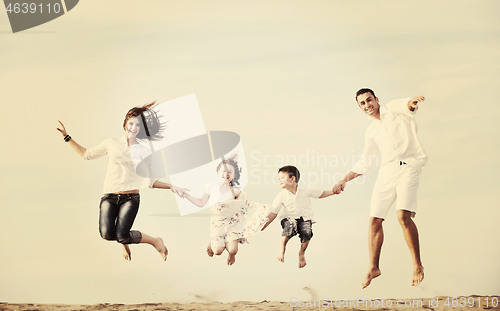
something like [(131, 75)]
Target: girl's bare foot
[(210, 252), (161, 248), (231, 258), (127, 254), (373, 273)]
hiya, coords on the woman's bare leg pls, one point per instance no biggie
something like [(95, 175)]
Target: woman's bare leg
[(157, 243)]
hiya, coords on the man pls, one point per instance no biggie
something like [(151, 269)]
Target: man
[(393, 133)]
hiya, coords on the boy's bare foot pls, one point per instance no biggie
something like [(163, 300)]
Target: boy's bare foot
[(231, 258), (302, 260), (127, 254), (418, 276), (210, 252), (160, 247), (373, 273), (281, 257)]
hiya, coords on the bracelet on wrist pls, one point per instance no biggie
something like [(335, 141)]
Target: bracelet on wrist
[(67, 138)]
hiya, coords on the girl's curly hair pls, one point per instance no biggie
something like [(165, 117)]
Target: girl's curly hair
[(233, 160)]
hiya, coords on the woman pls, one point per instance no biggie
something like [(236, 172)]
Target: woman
[(120, 202)]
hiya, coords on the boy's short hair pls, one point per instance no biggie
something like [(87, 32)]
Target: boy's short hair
[(292, 171)]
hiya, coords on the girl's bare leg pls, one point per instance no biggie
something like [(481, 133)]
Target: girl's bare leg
[(218, 250), (232, 249), (157, 243)]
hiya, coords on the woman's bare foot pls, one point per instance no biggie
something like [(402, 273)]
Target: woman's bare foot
[(418, 275), (302, 260), (210, 252), (373, 273), (231, 258), (161, 248), (127, 254)]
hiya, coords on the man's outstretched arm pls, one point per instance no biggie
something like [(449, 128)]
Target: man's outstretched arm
[(340, 186), (413, 103)]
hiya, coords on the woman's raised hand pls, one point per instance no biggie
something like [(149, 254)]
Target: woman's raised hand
[(62, 129)]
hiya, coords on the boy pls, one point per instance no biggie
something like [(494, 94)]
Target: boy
[(297, 216)]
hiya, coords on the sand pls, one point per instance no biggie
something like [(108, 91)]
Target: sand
[(469, 303)]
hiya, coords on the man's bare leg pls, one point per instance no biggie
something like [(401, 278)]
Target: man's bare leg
[(375, 240), (232, 250), (410, 233), (302, 253), (210, 252), (156, 243), (127, 254), (281, 253)]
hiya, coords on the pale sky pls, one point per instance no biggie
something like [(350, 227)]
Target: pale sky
[(283, 75)]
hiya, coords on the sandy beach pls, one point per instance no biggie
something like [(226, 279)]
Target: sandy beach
[(473, 302)]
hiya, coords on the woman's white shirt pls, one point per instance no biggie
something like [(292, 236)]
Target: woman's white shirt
[(121, 174)]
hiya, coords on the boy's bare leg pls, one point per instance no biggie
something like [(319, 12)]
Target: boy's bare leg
[(281, 253), (410, 233), (210, 252), (127, 254), (375, 240), (232, 250), (302, 253), (156, 243)]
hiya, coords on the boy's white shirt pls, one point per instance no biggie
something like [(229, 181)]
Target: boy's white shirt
[(296, 205)]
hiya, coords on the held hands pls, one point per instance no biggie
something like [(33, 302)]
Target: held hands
[(181, 192), (339, 187), (413, 103)]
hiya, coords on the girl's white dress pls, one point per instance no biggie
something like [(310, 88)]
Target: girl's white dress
[(233, 219)]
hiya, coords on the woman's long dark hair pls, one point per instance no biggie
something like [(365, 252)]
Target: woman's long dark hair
[(151, 127)]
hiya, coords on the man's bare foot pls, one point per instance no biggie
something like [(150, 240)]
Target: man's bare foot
[(418, 276), (373, 273), (160, 247), (210, 252), (127, 254), (231, 258), (302, 260)]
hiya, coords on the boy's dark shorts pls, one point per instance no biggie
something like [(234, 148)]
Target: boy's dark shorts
[(292, 227)]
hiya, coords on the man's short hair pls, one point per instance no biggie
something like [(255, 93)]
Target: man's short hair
[(363, 91), (292, 171)]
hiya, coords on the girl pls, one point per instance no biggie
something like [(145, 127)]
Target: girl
[(233, 217), (120, 202)]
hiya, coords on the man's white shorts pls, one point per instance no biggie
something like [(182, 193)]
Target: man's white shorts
[(394, 183)]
